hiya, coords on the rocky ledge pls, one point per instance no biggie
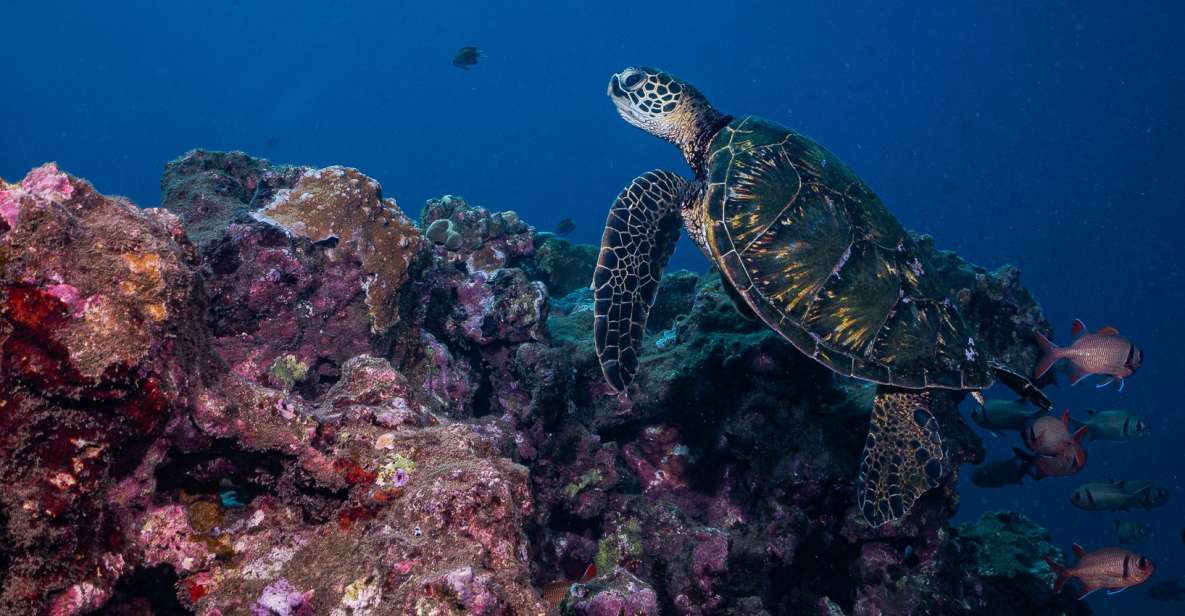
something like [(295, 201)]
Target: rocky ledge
[(279, 395)]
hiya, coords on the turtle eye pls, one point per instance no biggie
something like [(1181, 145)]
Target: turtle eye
[(632, 81)]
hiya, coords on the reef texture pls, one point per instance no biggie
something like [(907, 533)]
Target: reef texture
[(282, 397)]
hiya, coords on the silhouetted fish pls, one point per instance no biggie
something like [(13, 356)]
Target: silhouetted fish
[(565, 227), (466, 57), (272, 142), (1131, 531), (1004, 415), (1167, 590), (1119, 495), (1113, 425), (1000, 474)]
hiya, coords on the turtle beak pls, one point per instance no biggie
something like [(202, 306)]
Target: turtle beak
[(614, 89)]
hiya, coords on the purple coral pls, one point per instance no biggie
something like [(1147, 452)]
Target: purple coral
[(281, 598)]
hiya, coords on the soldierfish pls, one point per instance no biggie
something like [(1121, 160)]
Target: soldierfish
[(1051, 435), (1114, 569), (1001, 473), (554, 592), (1103, 352), (1131, 531), (1118, 496), (1148, 494), (1004, 415), (1113, 425)]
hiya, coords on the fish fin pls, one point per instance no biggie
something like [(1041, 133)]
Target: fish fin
[(1078, 550), (1050, 354), (1027, 459), (1077, 374), (1077, 327), (1086, 590), (979, 399), (1112, 591), (1081, 433), (1105, 383), (1066, 418), (590, 572), (1108, 331), (903, 443), (1121, 382), (1063, 574), (1077, 423)]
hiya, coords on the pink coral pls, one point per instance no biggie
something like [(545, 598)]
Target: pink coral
[(45, 182)]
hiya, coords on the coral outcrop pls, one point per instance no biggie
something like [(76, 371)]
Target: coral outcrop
[(281, 396)]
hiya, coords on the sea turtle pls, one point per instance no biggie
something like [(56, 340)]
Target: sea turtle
[(808, 248)]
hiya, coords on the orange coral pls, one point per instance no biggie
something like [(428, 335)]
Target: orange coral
[(342, 203)]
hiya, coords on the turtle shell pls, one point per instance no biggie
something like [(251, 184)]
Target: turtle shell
[(821, 260)]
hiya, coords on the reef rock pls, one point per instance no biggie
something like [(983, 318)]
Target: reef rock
[(97, 353), (618, 592), (285, 398), (344, 207), (305, 269), (484, 240)]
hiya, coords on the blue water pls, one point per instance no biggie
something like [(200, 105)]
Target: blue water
[(1048, 135)]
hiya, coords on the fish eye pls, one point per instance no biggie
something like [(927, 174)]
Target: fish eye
[(632, 81), (1142, 563)]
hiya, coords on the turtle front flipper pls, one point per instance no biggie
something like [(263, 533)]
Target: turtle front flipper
[(903, 456), (640, 234)]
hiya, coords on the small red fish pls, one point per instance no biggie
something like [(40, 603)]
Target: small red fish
[(1051, 435), (554, 592), (1056, 452), (1114, 569), (1103, 352)]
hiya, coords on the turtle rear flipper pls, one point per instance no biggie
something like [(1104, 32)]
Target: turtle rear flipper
[(903, 456), (640, 234), (1022, 386)]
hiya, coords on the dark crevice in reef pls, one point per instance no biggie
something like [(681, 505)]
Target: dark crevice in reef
[(564, 522), (323, 374), (233, 474), (146, 590), (483, 403)]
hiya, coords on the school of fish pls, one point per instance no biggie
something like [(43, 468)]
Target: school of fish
[(1054, 446)]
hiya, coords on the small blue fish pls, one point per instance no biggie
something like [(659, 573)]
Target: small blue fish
[(231, 498)]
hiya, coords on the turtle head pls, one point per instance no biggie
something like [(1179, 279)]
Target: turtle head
[(664, 106)]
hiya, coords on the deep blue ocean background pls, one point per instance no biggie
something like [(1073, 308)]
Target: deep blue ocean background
[(1044, 134)]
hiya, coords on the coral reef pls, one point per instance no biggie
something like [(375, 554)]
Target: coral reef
[(282, 397)]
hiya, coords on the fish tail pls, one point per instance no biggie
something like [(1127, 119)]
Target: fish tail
[(1063, 574), (1050, 354)]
